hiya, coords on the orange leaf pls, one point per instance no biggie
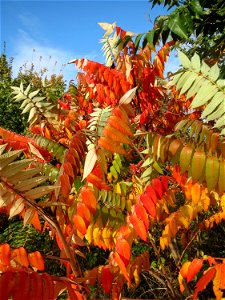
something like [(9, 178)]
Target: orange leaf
[(120, 113), (84, 212), (107, 279), (4, 255), (111, 146), (204, 281), (80, 224), (184, 269), (98, 182), (121, 126), (139, 227), (20, 256), (116, 135), (219, 280), (194, 269), (121, 265), (88, 198), (36, 260), (123, 249), (195, 193), (36, 222)]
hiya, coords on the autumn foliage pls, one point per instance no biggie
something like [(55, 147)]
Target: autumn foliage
[(123, 159)]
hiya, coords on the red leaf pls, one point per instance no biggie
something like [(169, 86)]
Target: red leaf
[(204, 281), (194, 269), (68, 169), (107, 279), (157, 186), (65, 185), (139, 227), (22, 286), (7, 284), (123, 249), (148, 204), (36, 287), (142, 214), (151, 193), (164, 183), (48, 287)]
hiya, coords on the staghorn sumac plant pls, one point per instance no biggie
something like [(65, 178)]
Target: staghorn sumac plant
[(121, 161)]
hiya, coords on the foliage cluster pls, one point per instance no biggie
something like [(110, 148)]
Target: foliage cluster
[(124, 158)]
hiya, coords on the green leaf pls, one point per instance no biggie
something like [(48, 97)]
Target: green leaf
[(205, 68), (150, 37), (217, 113), (185, 158), (31, 95), (183, 79), (32, 114), (195, 87), (25, 174), (188, 83), (157, 167), (7, 158), (15, 167), (213, 104), (128, 96), (175, 24), (2, 148), (196, 7), (39, 192), (212, 172), (28, 184), (137, 41), (184, 60), (198, 165), (90, 161), (221, 121), (206, 92), (214, 72), (27, 108), (16, 208), (195, 62)]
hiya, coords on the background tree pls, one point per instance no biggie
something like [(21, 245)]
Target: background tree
[(10, 116), (196, 26)]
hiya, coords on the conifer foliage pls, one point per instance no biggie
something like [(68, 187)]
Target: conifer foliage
[(124, 158)]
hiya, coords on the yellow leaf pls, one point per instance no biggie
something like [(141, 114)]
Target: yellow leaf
[(222, 202), (195, 193), (118, 189)]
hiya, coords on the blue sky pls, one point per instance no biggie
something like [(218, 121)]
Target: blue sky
[(59, 31)]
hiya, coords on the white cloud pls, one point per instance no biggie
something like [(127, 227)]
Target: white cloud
[(28, 51)]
